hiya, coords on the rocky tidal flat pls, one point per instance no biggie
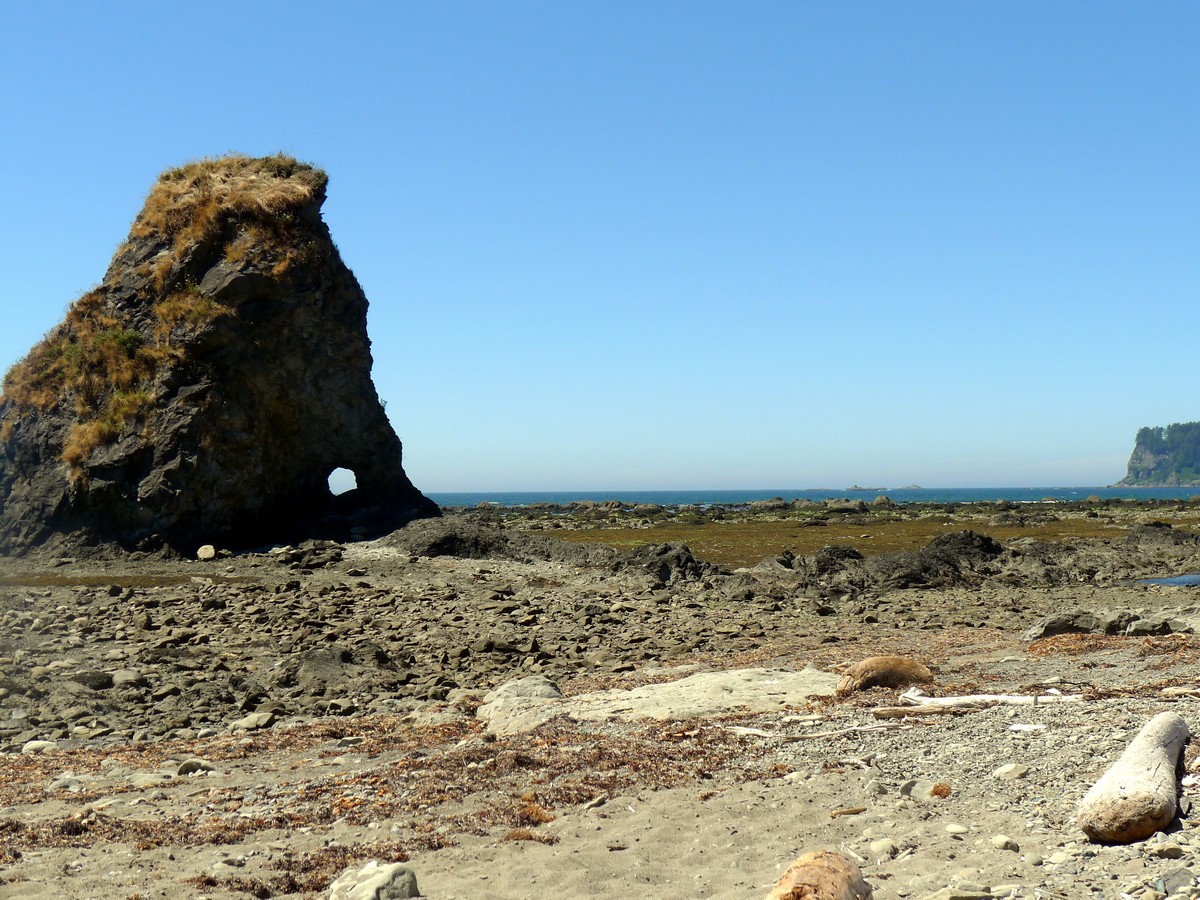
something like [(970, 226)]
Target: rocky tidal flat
[(254, 724)]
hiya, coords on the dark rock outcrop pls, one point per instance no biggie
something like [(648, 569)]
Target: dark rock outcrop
[(947, 560), (465, 538), (1161, 537), (207, 388)]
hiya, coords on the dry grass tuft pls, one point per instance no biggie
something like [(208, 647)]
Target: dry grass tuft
[(189, 203), (96, 364), (524, 834), (186, 310), (1076, 644), (532, 813)]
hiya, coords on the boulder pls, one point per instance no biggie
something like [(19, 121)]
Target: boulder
[(946, 560), (209, 385), (526, 703), (376, 881), (1125, 622)]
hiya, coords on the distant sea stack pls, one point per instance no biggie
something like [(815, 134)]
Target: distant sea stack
[(208, 387), (1165, 457)]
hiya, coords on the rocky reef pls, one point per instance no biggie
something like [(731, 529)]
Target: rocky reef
[(208, 387), (1167, 456)]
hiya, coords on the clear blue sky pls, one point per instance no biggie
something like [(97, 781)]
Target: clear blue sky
[(621, 245)]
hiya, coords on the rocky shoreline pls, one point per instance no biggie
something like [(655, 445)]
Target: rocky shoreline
[(251, 724)]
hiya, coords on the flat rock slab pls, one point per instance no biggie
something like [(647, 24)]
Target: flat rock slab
[(510, 709)]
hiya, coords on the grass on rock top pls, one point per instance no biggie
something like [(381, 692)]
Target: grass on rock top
[(190, 203), (104, 370)]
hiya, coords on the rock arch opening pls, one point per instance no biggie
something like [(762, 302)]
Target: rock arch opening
[(342, 481)]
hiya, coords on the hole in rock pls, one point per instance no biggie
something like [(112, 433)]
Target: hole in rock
[(342, 480)]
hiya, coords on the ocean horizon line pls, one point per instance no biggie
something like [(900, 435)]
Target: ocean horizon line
[(741, 496)]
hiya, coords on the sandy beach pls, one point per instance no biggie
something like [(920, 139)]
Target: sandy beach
[(257, 724)]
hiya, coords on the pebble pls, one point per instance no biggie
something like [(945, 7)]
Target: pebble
[(1011, 772), (253, 722), (191, 766), (955, 829), (1004, 842), (38, 746), (883, 849)]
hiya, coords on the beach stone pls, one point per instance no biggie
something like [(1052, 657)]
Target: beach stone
[(1168, 851), (955, 828), (97, 681), (68, 781), (38, 746), (375, 881), (1077, 622), (254, 721), (1179, 879), (918, 789), (189, 766), (148, 779), (1011, 772), (702, 695), (883, 849), (127, 678), (1004, 842), (207, 552)]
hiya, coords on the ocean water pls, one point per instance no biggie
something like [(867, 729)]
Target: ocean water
[(741, 497)]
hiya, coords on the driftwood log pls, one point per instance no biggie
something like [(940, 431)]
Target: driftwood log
[(822, 875), (883, 671), (919, 697), (1137, 795)]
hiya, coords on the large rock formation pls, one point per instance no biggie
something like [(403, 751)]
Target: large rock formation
[(1165, 456), (210, 385)]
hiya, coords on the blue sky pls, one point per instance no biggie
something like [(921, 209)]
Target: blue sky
[(623, 245)]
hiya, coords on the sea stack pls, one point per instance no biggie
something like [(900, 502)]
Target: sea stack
[(207, 388)]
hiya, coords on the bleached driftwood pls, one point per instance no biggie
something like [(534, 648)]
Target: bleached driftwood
[(917, 696), (883, 671), (793, 738), (1137, 795), (883, 726), (822, 875), (925, 709)]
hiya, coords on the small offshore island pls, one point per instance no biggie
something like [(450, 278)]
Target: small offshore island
[(219, 680)]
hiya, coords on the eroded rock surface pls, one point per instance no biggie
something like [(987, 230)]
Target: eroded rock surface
[(207, 388)]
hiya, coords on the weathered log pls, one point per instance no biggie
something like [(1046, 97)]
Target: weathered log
[(1137, 795), (883, 671), (917, 696), (821, 875)]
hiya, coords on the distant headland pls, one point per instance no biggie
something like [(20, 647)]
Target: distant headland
[(1165, 457)]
